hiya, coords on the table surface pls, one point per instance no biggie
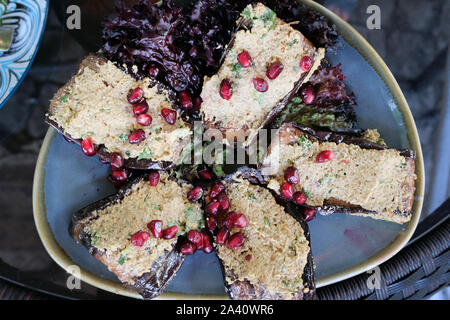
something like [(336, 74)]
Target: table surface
[(413, 40)]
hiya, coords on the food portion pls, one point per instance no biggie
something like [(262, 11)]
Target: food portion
[(266, 62), (264, 251), (336, 172), (135, 232), (106, 110)]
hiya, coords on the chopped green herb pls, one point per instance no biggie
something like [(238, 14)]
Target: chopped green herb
[(127, 153), (122, 259), (123, 137), (146, 154), (290, 44), (329, 191), (305, 192), (158, 138), (296, 68), (65, 98), (267, 221), (236, 68), (194, 219), (269, 18), (304, 142), (251, 196), (218, 170), (247, 13), (105, 110)]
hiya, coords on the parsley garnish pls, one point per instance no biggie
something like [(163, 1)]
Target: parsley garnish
[(236, 68), (123, 137), (146, 154), (122, 259), (251, 196), (269, 17), (247, 13), (304, 142), (290, 44), (65, 98)]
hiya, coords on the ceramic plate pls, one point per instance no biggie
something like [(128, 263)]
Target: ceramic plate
[(342, 245), (26, 19)]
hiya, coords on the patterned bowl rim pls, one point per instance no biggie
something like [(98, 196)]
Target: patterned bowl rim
[(358, 42)]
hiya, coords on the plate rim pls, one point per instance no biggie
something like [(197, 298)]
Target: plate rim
[(360, 44)]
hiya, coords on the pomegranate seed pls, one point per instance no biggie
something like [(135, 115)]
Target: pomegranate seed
[(169, 115), (216, 189), (235, 241), (136, 137), (223, 200), (153, 178), (240, 221), (230, 219), (226, 91), (325, 156), (188, 248), (196, 237), (306, 63), (222, 235), (212, 207), (287, 191), (207, 247), (138, 239), (244, 59), (135, 95), (260, 84), (120, 175), (308, 94), (248, 257), (274, 70), (144, 119), (205, 174), (170, 232), (195, 194), (88, 147), (291, 175), (153, 71), (155, 227), (309, 214), (197, 104), (211, 223), (116, 184), (300, 197), (116, 160), (185, 100), (140, 108)]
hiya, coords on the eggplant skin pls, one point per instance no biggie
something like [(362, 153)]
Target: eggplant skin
[(150, 284), (244, 290)]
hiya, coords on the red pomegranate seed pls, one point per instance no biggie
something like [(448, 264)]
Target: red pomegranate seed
[(291, 175), (138, 239), (230, 219), (222, 235), (120, 175), (116, 160), (300, 197), (169, 115), (325, 156), (223, 200), (170, 232), (212, 207), (274, 70), (211, 223), (88, 147), (207, 247), (308, 94), (136, 137), (140, 108), (153, 178), (205, 174), (195, 194), (244, 59), (216, 189), (309, 214), (260, 84), (185, 100), (287, 191), (188, 248), (240, 221), (248, 257), (144, 119), (197, 104), (306, 63), (196, 237), (135, 95), (155, 227), (226, 91), (235, 241), (153, 71)]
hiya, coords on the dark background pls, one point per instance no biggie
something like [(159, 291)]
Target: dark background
[(413, 41)]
